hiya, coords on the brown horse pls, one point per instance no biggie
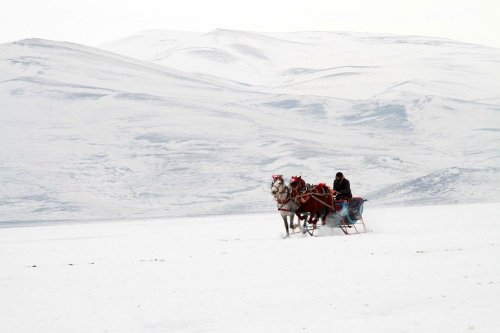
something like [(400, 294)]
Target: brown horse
[(315, 200)]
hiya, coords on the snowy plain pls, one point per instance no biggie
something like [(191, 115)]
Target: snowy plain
[(134, 183), (421, 269)]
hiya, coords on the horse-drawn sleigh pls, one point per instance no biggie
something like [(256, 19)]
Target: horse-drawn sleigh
[(314, 203)]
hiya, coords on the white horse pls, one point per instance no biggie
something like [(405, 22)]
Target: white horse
[(286, 205)]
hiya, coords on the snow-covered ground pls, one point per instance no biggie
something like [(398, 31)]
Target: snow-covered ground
[(194, 124), (421, 269)]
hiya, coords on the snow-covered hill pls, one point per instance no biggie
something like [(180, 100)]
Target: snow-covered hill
[(330, 64), (186, 123)]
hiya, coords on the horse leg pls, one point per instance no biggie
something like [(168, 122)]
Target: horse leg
[(304, 225), (286, 225), (323, 218), (317, 215), (313, 221), (299, 225), (316, 218), (298, 215), (291, 221)]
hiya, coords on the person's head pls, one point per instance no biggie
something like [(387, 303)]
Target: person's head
[(339, 176)]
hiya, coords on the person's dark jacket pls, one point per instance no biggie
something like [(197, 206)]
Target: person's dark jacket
[(343, 188)]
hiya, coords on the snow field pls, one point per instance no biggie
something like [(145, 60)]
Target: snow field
[(421, 269)]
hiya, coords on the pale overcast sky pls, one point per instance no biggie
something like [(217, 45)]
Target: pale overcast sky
[(92, 22)]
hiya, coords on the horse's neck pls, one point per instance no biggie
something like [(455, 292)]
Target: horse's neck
[(282, 196), (304, 186)]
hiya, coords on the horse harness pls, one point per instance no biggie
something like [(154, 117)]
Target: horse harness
[(307, 192)]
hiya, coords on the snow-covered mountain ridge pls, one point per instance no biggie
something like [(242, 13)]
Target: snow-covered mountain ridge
[(188, 124), (343, 65)]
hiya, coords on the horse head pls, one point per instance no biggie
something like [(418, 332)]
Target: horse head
[(278, 186), (297, 184)]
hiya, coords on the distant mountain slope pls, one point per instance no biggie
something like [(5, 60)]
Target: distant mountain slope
[(41, 61), (452, 185), (331, 64), (89, 134)]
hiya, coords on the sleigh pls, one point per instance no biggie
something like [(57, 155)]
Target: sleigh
[(346, 215)]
